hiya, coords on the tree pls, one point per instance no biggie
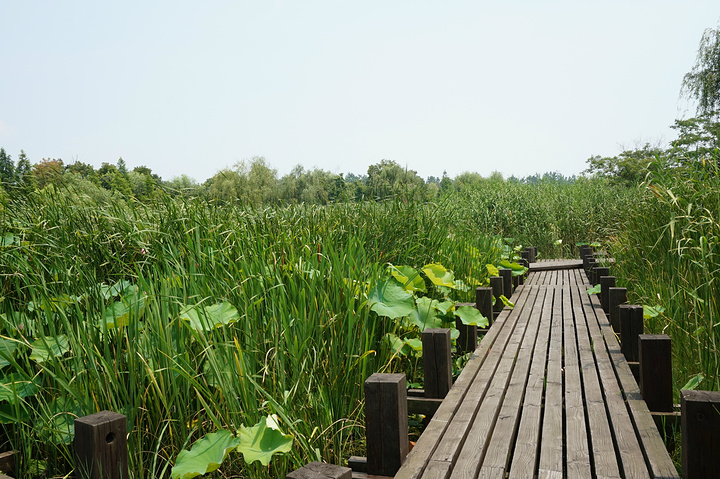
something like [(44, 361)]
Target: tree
[(84, 171), (24, 173), (703, 81), (48, 171), (7, 168), (387, 178), (112, 179), (698, 138), (629, 167)]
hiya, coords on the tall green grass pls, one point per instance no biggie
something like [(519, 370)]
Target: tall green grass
[(668, 254), (304, 340), (302, 347), (553, 216)]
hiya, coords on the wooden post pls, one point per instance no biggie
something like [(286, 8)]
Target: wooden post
[(386, 423), (606, 282), (600, 271), (320, 470), (617, 297), (631, 326), (700, 425), (506, 275), (496, 283), (467, 341), (656, 372), (437, 362), (592, 264), (484, 302), (523, 262), (525, 255), (101, 446)]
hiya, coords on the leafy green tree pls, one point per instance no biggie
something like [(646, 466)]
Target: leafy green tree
[(388, 178), (226, 185), (183, 185), (629, 167), (112, 179), (7, 167), (83, 170), (48, 171), (698, 138), (24, 173), (703, 82)]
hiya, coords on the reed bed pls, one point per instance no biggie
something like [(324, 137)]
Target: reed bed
[(668, 255), (97, 300)]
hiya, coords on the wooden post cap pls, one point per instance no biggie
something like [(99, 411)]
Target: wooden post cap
[(320, 470), (700, 433)]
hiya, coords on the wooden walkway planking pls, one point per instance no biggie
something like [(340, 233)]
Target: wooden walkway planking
[(547, 394)]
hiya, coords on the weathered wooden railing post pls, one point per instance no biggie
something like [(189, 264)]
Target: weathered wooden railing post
[(496, 283), (586, 253), (525, 255), (320, 470), (506, 275), (437, 362), (523, 262), (484, 303), (656, 371), (592, 264), (600, 271), (631, 327), (386, 423), (606, 282), (700, 433), (101, 446), (617, 296)]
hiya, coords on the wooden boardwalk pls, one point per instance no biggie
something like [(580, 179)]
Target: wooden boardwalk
[(547, 394)]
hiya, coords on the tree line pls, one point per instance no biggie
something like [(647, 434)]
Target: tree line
[(253, 181)]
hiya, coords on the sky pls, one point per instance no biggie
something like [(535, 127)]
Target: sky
[(192, 87)]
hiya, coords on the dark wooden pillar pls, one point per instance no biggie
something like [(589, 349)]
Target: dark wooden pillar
[(506, 275), (606, 282), (617, 296), (631, 326), (700, 433), (484, 302), (600, 271), (386, 423), (437, 362), (496, 283), (101, 446), (656, 371)]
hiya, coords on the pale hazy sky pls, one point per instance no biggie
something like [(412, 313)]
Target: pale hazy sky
[(183, 87)]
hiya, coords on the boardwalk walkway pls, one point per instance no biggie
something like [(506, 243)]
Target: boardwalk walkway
[(547, 394)]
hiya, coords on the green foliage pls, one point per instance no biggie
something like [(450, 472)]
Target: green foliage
[(668, 253), (703, 82)]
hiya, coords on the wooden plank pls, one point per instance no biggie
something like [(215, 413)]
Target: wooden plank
[(489, 351), (547, 265), (527, 444), (577, 453), (480, 428), (627, 443), (551, 445), (604, 460), (497, 457), (655, 454)]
